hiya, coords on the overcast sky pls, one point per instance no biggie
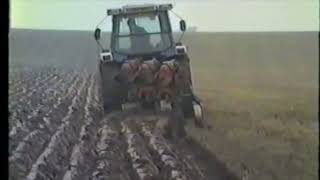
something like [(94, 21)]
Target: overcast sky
[(213, 15)]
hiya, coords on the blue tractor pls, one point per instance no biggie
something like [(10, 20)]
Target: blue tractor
[(145, 32)]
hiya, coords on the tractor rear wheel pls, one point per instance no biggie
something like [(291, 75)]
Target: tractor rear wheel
[(112, 91)]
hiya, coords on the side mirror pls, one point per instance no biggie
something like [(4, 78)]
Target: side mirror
[(97, 34), (183, 25)]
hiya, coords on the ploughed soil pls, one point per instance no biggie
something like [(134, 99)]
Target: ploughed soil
[(58, 130)]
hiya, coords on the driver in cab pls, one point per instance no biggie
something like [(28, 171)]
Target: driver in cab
[(140, 39)]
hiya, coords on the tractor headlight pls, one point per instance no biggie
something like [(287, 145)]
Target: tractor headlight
[(106, 57), (181, 49)]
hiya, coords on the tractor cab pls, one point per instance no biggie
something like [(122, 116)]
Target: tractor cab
[(144, 65), (140, 31)]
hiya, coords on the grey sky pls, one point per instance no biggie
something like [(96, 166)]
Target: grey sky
[(214, 15)]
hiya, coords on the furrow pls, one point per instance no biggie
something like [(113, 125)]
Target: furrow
[(82, 150), (31, 121), (53, 161), (38, 119), (140, 157), (27, 101), (171, 168), (109, 156), (20, 165), (40, 102), (37, 80)]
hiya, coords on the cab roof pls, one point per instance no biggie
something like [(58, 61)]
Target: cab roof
[(133, 9)]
